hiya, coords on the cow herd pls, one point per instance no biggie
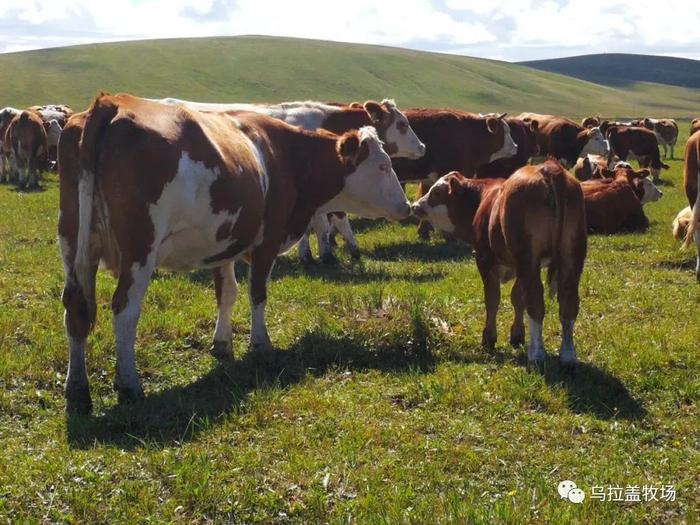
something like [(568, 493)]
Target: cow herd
[(168, 183)]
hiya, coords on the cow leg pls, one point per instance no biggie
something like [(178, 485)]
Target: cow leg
[(534, 305), (226, 289), (261, 262), (342, 224), (517, 329), (492, 298), (568, 311), (305, 255), (321, 226), (126, 310)]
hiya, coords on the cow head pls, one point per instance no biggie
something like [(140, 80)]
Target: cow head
[(392, 125), (595, 142), (371, 189), (497, 125)]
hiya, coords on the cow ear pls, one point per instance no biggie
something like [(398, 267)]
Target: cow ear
[(375, 111), (534, 125), (348, 147), (492, 124), (454, 186)]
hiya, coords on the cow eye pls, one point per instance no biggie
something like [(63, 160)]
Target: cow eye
[(402, 126)]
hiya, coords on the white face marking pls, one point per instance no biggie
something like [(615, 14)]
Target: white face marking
[(402, 135), (438, 215), (509, 147), (651, 192), (372, 190), (53, 133), (596, 144)]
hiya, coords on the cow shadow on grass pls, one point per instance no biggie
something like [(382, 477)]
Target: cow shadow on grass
[(179, 414), (422, 251)]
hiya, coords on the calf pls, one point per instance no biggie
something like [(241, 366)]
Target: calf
[(639, 143), (27, 138), (525, 137), (565, 140), (666, 131), (517, 225), (150, 185), (7, 165), (392, 125)]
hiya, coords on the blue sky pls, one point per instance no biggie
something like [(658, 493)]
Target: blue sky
[(501, 29)]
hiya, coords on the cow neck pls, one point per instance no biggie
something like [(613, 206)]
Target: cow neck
[(465, 215), (346, 119)]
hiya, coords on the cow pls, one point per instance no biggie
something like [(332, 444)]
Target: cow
[(7, 165), (591, 166), (455, 141), (565, 140), (517, 225), (694, 126), (591, 122), (666, 131), (525, 137), (54, 117), (391, 124), (26, 138), (615, 203), (691, 168), (679, 226), (639, 143), (150, 185)]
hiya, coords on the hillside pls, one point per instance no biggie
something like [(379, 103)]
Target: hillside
[(621, 70), (272, 69)]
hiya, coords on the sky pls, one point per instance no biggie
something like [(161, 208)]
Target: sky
[(509, 30)]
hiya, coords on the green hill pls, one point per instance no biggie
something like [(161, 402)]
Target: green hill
[(620, 70), (271, 69)]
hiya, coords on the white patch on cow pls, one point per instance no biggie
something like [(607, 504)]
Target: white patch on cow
[(438, 215), (408, 144), (596, 144), (53, 133), (372, 190), (622, 164), (535, 350), (344, 228), (509, 147), (567, 351), (77, 369), (651, 192), (183, 220), (229, 292)]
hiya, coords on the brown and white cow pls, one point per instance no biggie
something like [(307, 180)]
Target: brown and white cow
[(565, 140), (666, 131), (615, 203), (591, 166), (517, 225), (26, 138), (694, 126), (166, 186), (525, 137), (691, 168), (637, 142), (7, 165), (391, 124), (591, 122)]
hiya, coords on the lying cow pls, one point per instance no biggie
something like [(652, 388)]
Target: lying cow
[(666, 131), (615, 203), (517, 225), (592, 166), (152, 185), (26, 138), (679, 227), (637, 142), (565, 140), (391, 124)]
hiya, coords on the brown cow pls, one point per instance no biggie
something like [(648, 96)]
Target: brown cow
[(565, 140), (517, 225), (639, 143), (691, 167), (7, 164), (166, 186), (525, 137), (27, 139), (694, 126), (666, 131)]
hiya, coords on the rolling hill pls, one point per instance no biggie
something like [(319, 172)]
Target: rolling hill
[(252, 68), (622, 70)]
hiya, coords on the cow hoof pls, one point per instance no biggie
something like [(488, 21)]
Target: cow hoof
[(517, 340), (536, 366), (329, 258), (222, 350), (262, 347), (488, 342), (78, 399), (129, 395)]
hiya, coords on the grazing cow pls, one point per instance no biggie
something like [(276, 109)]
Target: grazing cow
[(166, 186), (691, 167), (26, 138), (615, 203), (680, 223), (525, 137), (591, 122), (7, 166), (694, 126), (517, 225), (639, 143), (666, 131), (391, 124), (565, 140)]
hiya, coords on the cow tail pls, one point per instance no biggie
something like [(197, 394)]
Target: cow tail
[(693, 224), (557, 185), (98, 119)]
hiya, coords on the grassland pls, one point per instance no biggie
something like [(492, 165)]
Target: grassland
[(379, 406), (250, 69)]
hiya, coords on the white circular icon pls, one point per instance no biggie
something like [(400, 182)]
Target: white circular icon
[(565, 487), (576, 496)]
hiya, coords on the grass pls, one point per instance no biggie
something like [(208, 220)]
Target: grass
[(379, 405), (252, 69)]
